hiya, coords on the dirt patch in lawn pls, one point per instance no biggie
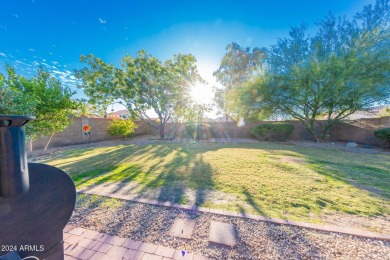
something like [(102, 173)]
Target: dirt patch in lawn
[(290, 159)]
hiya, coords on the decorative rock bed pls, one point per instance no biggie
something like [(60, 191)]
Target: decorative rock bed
[(255, 239)]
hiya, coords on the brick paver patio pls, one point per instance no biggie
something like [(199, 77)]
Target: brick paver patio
[(84, 244)]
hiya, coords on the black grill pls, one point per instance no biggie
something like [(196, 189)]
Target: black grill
[(36, 200)]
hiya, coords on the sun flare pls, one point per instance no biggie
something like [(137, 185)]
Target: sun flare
[(201, 94)]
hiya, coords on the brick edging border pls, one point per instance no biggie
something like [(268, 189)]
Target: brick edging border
[(325, 228)]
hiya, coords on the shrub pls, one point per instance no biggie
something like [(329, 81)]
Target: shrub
[(120, 127), (383, 134), (273, 132)]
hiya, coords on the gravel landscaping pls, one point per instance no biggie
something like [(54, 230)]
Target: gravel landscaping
[(255, 239)]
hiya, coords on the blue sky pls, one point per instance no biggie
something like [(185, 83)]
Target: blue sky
[(54, 34)]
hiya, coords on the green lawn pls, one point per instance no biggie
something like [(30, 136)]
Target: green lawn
[(276, 180)]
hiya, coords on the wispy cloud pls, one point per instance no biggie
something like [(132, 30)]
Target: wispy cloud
[(16, 15), (65, 76), (57, 72), (29, 68), (3, 27), (102, 21)]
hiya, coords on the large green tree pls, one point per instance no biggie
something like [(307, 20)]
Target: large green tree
[(142, 83), (238, 65), (42, 96), (344, 68), (12, 99)]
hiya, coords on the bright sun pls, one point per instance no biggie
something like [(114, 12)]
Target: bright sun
[(201, 94)]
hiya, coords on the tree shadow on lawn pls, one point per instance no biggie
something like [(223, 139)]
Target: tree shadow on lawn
[(107, 160), (352, 185), (371, 179), (104, 160), (113, 155), (368, 172), (120, 174), (185, 170), (249, 199), (201, 180), (151, 152)]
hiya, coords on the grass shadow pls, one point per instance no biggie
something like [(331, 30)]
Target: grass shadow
[(249, 199)]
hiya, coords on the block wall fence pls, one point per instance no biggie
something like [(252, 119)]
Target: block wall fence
[(360, 131), (73, 134)]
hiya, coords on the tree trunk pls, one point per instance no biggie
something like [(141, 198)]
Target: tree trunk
[(310, 128), (323, 133), (327, 127), (48, 142), (162, 132)]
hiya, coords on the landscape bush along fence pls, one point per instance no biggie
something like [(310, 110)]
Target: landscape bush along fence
[(273, 132), (360, 131), (384, 135)]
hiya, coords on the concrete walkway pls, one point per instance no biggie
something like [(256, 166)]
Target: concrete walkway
[(83, 244)]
